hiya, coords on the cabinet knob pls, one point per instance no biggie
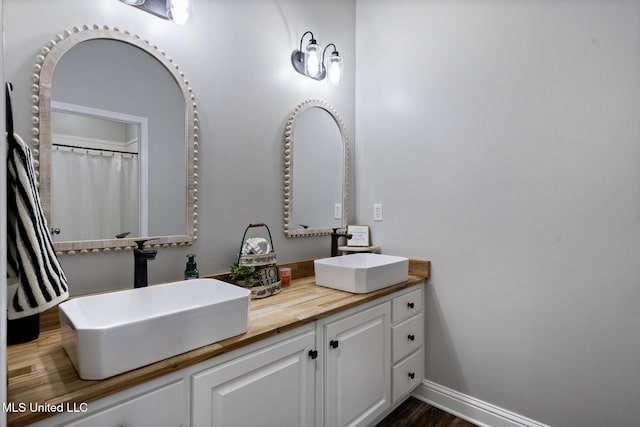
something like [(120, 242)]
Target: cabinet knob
[(410, 305), (334, 344), (411, 337), (313, 354), (412, 375)]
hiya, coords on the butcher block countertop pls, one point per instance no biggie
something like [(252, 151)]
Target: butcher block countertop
[(40, 371)]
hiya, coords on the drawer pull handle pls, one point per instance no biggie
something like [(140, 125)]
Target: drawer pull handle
[(334, 344), (313, 354), (412, 375), (411, 337), (410, 305)]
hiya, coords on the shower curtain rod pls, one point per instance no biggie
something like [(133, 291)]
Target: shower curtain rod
[(94, 149)]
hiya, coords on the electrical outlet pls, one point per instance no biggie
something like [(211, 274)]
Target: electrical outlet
[(377, 211), (337, 211)]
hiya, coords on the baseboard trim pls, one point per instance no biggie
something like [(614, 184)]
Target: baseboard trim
[(469, 408)]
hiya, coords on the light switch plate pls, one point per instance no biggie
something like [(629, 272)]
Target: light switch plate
[(377, 211), (337, 211)]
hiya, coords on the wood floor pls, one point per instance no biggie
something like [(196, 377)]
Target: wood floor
[(415, 413)]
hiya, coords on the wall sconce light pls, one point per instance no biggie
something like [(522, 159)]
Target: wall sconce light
[(311, 64), (178, 11)]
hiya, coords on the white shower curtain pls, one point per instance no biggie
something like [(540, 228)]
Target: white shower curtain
[(94, 194)]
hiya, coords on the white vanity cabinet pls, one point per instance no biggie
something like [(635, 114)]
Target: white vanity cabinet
[(356, 366), (348, 369), (373, 357), (273, 386)]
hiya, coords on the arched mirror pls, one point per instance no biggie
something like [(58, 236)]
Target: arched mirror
[(316, 163), (115, 138)]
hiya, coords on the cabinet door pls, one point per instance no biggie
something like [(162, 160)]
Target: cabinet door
[(161, 407), (357, 369), (273, 386)]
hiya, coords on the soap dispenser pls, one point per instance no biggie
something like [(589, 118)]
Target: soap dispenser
[(191, 271)]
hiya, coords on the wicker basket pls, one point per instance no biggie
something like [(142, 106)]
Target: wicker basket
[(270, 283)]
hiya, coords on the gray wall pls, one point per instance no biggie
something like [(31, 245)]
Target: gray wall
[(511, 128), (243, 102)]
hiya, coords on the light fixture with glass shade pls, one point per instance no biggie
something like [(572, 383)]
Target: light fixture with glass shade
[(310, 63), (178, 11), (334, 67)]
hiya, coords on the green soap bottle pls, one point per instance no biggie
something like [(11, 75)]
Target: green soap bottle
[(192, 269)]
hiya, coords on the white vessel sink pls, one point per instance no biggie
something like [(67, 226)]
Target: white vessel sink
[(107, 334), (361, 273)]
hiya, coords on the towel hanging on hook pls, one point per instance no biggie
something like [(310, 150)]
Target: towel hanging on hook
[(31, 256)]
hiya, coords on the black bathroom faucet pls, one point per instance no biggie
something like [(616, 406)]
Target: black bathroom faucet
[(140, 257), (335, 236)]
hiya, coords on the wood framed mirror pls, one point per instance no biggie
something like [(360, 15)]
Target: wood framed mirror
[(84, 73), (316, 170)]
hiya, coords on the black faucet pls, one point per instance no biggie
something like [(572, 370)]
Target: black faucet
[(140, 256), (335, 236)]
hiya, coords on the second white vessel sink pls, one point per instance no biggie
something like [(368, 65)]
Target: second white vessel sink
[(361, 273), (107, 334)]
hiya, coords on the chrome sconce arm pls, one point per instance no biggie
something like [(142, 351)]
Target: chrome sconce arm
[(308, 62)]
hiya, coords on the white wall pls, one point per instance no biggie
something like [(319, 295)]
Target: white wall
[(502, 139), (244, 100)]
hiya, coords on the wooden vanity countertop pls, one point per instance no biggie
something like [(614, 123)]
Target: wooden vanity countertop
[(40, 371)]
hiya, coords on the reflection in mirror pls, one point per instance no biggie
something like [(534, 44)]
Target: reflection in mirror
[(99, 158), (316, 171), (81, 83)]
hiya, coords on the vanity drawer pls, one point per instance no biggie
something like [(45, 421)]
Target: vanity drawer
[(406, 305), (407, 375), (407, 336)]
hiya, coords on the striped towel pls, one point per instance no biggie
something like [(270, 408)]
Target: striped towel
[(30, 252)]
